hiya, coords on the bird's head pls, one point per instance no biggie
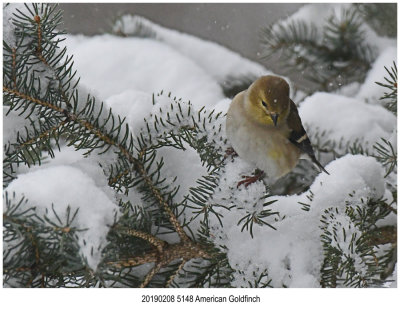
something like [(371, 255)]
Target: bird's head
[(267, 100)]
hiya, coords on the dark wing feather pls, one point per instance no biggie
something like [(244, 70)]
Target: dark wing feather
[(298, 135)]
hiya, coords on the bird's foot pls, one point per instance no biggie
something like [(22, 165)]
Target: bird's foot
[(230, 152), (248, 180)]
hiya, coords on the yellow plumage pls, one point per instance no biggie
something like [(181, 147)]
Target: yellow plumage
[(265, 129)]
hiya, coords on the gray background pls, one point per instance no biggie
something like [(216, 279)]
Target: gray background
[(234, 25)]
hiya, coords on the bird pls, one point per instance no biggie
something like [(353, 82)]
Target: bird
[(265, 129)]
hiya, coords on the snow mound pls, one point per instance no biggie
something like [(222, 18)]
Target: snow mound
[(216, 60), (62, 186), (133, 105), (370, 91), (112, 65), (12, 123), (362, 174), (345, 120), (293, 253), (184, 165), (8, 26)]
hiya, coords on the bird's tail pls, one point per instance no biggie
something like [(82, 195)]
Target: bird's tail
[(316, 162)]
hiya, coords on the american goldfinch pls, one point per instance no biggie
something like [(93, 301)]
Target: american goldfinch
[(265, 129)]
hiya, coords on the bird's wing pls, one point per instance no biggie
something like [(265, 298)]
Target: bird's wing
[(298, 135)]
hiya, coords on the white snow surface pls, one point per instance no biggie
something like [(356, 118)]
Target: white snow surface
[(293, 252), (12, 124), (218, 61), (8, 26), (346, 120), (62, 186), (119, 64), (134, 105), (185, 165), (370, 91)]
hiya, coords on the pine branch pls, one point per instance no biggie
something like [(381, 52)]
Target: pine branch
[(30, 258), (232, 85), (387, 155), (28, 148), (391, 84), (39, 82), (337, 56), (85, 127), (382, 17), (107, 140), (186, 249), (350, 241)]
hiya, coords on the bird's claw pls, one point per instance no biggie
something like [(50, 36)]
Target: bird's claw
[(230, 152), (248, 180)]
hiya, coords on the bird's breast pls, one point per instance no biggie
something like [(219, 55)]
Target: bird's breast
[(266, 147)]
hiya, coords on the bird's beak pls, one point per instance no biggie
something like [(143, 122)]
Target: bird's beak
[(274, 118)]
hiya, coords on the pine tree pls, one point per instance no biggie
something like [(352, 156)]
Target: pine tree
[(329, 58), (165, 241), (382, 17), (39, 83)]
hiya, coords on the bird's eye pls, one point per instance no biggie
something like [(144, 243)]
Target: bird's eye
[(264, 104)]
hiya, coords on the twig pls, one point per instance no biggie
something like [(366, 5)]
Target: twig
[(156, 242), (176, 273), (172, 218), (39, 44), (14, 67)]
